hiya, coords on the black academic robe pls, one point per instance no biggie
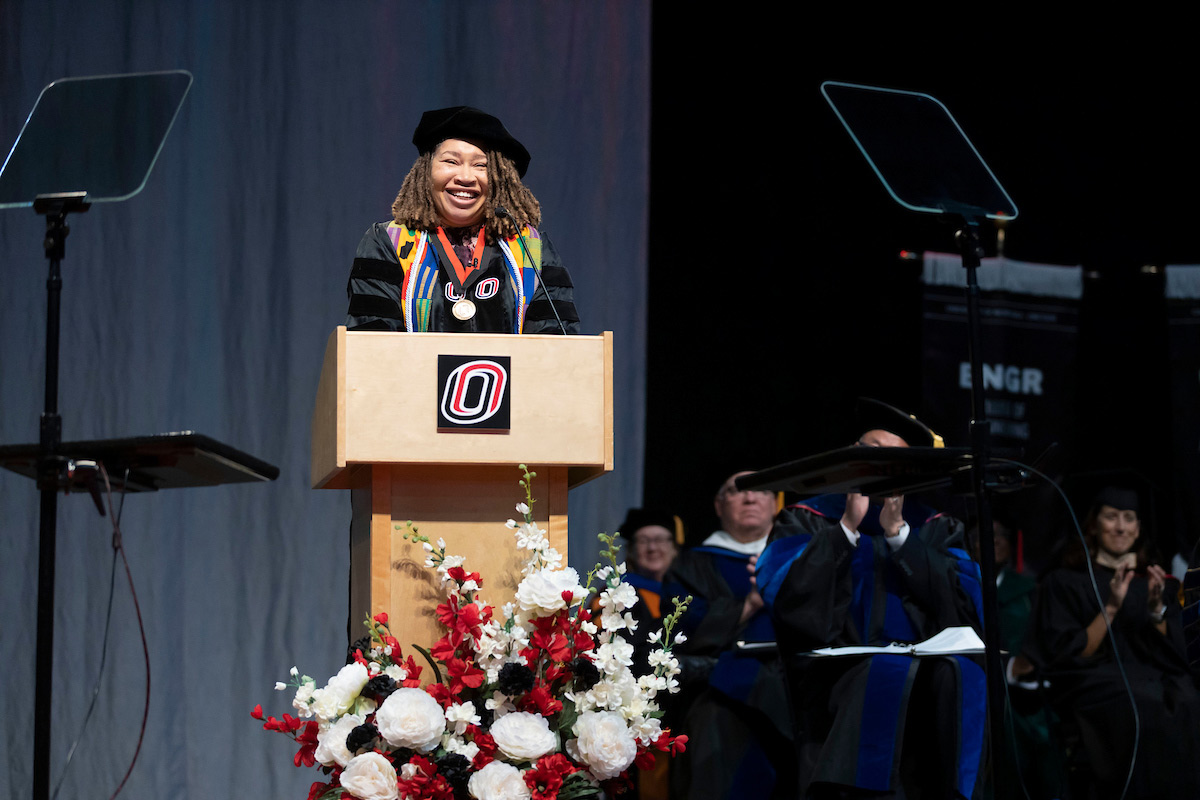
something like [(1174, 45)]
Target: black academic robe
[(890, 725), (1091, 693), (734, 702), (376, 280)]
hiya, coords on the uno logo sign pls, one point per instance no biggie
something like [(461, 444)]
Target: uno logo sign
[(473, 393)]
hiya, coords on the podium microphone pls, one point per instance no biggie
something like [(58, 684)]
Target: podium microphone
[(502, 211)]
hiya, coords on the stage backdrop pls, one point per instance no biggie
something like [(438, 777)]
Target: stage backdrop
[(204, 304), (1029, 323)]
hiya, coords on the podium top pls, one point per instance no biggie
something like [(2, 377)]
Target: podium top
[(381, 400)]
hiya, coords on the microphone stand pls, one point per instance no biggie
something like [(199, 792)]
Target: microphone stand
[(502, 211)]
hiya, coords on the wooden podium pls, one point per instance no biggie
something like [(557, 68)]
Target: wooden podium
[(377, 430)]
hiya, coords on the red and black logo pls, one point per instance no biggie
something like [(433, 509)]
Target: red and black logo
[(473, 393)]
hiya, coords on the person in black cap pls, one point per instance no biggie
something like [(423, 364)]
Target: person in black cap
[(1078, 642), (462, 252), (652, 540), (841, 571)]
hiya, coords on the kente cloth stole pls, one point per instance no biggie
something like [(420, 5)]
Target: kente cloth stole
[(418, 262)]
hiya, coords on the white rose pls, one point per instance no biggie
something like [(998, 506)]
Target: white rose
[(370, 777), (498, 781), (331, 742), (522, 736), (604, 744), (411, 718), (340, 693), (542, 591)]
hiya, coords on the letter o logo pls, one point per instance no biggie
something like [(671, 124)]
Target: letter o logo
[(474, 392), (487, 288)]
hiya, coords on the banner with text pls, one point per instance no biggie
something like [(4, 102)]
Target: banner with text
[(1029, 318)]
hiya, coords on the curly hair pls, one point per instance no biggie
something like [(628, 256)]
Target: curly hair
[(414, 208)]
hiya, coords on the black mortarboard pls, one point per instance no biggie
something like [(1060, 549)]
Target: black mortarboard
[(471, 124), (874, 415), (638, 518), (1117, 497)]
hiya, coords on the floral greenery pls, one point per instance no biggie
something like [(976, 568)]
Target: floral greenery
[(537, 703)]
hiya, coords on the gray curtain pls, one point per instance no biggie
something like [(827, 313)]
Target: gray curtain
[(204, 303)]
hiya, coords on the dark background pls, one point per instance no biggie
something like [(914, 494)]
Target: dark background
[(777, 295)]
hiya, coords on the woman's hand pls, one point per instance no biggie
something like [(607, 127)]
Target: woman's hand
[(1097, 629), (1157, 578), (1119, 586)]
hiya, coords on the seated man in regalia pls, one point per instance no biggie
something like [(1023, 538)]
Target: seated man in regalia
[(841, 570)]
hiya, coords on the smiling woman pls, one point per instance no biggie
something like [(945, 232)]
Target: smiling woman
[(1083, 646), (462, 252)]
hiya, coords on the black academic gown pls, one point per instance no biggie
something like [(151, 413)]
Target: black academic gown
[(376, 280), (881, 725), (1090, 692), (734, 703)]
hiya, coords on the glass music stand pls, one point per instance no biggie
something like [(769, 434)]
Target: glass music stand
[(94, 140)]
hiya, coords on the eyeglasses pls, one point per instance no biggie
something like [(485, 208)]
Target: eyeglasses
[(659, 541), (729, 491)]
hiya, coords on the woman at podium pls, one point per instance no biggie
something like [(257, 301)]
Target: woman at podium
[(462, 252)]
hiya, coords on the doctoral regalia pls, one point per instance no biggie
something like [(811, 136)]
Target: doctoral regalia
[(735, 702), (865, 722), (400, 281)]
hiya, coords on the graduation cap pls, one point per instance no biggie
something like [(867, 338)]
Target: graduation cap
[(875, 415), (638, 518), (472, 125)]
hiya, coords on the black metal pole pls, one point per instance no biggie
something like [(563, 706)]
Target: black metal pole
[(972, 252), (56, 208), (50, 438)]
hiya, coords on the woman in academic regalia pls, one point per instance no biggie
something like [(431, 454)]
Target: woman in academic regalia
[(1082, 644), (462, 251)]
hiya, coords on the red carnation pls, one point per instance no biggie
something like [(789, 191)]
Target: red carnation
[(546, 777), (463, 674), (381, 618), (441, 693), (542, 700)]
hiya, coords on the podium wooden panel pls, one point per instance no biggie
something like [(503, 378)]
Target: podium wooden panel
[(375, 432)]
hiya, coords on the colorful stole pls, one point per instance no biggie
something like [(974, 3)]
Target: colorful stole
[(418, 262)]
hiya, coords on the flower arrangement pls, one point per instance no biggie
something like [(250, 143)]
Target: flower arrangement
[(537, 703)]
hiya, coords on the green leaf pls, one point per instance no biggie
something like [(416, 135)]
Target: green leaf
[(429, 658)]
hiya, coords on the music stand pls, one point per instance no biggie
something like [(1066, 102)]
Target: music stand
[(93, 140), (927, 164)]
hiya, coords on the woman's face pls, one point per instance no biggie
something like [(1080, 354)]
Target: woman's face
[(1117, 529), (460, 183), (654, 550)]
